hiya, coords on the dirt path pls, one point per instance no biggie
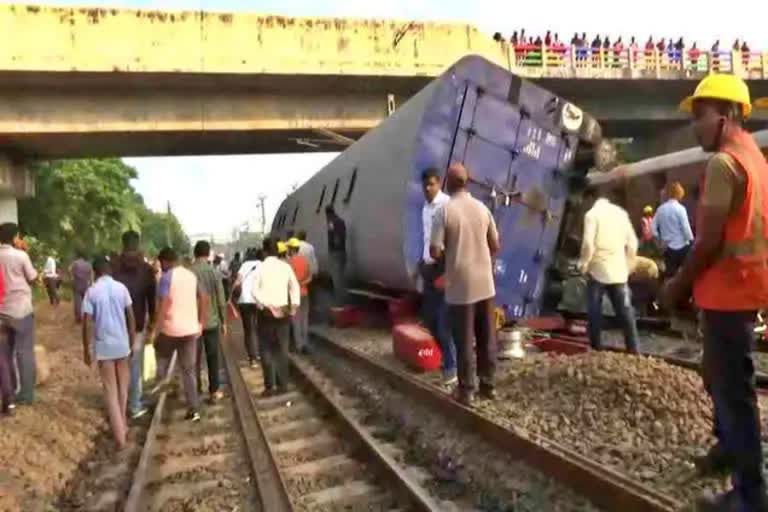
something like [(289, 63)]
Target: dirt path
[(42, 446)]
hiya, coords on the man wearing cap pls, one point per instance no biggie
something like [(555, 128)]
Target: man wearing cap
[(646, 230), (303, 272), (728, 271), (671, 228), (282, 250)]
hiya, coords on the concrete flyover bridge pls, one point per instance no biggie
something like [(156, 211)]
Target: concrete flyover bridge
[(100, 81)]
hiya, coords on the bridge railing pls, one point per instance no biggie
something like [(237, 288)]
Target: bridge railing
[(687, 62)]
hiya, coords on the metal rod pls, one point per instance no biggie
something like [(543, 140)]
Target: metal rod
[(662, 163)]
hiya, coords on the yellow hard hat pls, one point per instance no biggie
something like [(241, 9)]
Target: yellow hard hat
[(294, 243), (281, 247), (721, 87), (648, 210), (761, 103)]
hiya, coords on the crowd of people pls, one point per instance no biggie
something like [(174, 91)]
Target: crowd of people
[(528, 48), (125, 301)]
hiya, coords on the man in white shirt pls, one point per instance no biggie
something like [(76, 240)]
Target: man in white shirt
[(608, 251), (245, 303), (434, 307), (51, 280), (277, 295)]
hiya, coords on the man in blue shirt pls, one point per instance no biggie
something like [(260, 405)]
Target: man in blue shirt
[(107, 305), (672, 229)]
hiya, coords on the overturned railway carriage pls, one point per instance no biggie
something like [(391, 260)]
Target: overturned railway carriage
[(519, 142)]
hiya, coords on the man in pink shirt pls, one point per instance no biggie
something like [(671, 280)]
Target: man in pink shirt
[(16, 312), (181, 310)]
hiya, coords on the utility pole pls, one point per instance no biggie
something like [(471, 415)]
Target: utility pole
[(168, 225), (262, 198)]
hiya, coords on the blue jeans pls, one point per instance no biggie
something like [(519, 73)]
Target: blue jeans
[(135, 403), (435, 313), (21, 338), (621, 301), (729, 376)]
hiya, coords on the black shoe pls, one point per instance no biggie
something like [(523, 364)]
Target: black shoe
[(8, 410), (305, 350), (488, 393), (713, 463), (464, 397), (267, 393)]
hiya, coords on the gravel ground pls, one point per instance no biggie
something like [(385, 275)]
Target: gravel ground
[(638, 415), (464, 467), (44, 445)]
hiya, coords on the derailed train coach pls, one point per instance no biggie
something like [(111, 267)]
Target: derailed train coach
[(518, 141)]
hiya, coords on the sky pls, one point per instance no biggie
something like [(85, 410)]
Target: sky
[(232, 205)]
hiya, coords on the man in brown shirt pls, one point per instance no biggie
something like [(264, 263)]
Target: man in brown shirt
[(465, 234)]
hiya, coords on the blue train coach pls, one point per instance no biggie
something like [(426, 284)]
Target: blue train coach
[(519, 143)]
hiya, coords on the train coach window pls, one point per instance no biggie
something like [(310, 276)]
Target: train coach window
[(335, 191), (320, 202), (295, 213), (351, 187)]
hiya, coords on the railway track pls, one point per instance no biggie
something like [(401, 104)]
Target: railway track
[(603, 486), (210, 465), (195, 465), (329, 457)]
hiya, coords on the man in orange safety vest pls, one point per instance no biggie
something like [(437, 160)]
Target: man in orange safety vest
[(728, 271)]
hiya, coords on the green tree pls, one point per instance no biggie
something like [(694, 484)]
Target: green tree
[(163, 229), (87, 204)]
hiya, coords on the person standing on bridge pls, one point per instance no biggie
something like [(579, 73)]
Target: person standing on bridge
[(107, 304), (672, 229), (434, 307), (300, 321), (215, 321), (464, 234), (16, 310), (728, 271), (337, 253), (278, 296), (181, 313), (138, 276), (81, 271)]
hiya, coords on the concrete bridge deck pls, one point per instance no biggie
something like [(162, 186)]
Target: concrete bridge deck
[(96, 81)]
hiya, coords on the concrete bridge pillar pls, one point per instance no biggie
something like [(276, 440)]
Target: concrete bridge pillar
[(16, 182)]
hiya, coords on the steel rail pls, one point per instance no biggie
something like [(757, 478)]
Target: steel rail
[(603, 486), (136, 494), (270, 485), (408, 490)]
